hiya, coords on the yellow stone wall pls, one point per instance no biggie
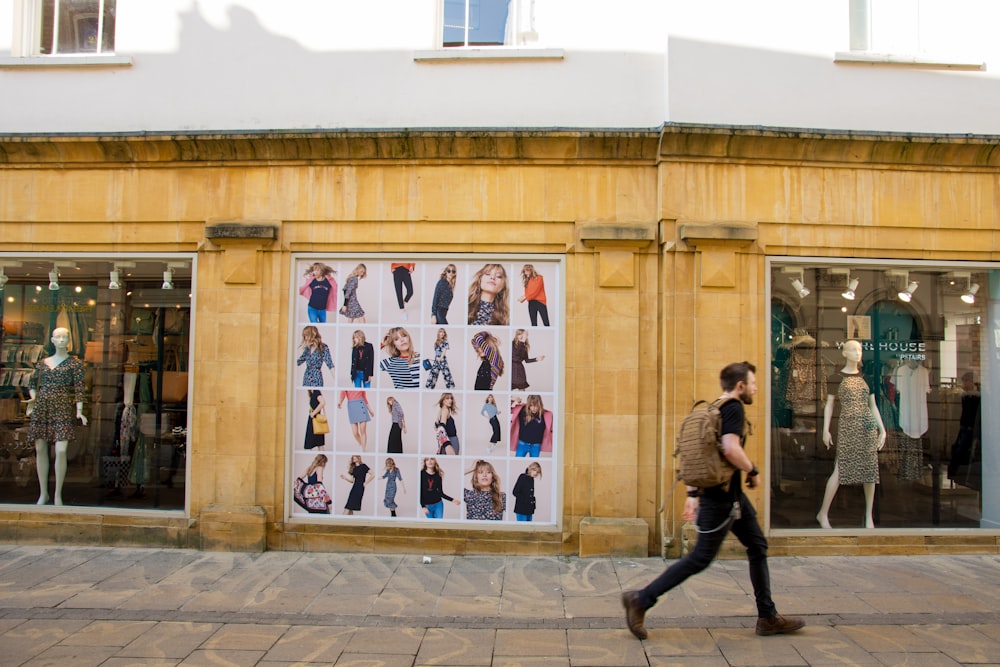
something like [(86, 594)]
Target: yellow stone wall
[(665, 239), (833, 196)]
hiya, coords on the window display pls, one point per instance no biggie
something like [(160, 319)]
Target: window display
[(94, 380), (876, 411), (433, 378)]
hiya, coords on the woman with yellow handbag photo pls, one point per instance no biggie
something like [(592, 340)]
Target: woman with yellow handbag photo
[(317, 425)]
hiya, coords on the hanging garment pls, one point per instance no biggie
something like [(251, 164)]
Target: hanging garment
[(913, 385)]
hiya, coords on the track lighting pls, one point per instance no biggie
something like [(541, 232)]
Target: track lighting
[(4, 265), (907, 294), (53, 280), (113, 282), (795, 274), (849, 293), (168, 275), (970, 296)]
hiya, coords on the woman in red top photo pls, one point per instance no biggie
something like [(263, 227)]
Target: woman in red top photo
[(534, 294)]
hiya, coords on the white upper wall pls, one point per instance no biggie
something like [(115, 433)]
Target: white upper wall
[(771, 63), (254, 65)]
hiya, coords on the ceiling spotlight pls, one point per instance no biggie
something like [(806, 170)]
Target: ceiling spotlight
[(970, 296), (800, 289), (114, 283), (849, 293), (907, 294), (6, 264), (53, 280), (168, 279)]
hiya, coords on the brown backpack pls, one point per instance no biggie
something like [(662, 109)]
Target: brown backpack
[(700, 461)]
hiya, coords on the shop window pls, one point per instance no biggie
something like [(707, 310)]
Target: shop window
[(125, 330), (925, 363)]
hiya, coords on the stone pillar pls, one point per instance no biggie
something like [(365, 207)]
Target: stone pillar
[(231, 416), (612, 525)]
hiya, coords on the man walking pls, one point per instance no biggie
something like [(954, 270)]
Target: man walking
[(717, 515)]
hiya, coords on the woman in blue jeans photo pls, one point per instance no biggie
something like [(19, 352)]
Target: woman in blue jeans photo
[(524, 492), (320, 291), (530, 427), (362, 360), (432, 495)]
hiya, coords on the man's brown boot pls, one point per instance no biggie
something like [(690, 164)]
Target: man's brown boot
[(635, 614), (778, 625)]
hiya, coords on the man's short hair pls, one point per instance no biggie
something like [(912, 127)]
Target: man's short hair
[(735, 373)]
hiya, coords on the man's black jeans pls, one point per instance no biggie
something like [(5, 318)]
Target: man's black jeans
[(712, 513)]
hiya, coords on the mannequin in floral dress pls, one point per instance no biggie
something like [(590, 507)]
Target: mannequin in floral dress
[(56, 388)]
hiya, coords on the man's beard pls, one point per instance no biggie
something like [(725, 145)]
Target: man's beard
[(746, 397)]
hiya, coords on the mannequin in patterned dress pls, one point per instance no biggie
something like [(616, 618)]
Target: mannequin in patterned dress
[(55, 387), (860, 434)]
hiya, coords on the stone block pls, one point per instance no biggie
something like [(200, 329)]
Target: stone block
[(613, 536), (233, 528)]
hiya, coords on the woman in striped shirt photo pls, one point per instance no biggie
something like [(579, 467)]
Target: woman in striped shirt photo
[(402, 361)]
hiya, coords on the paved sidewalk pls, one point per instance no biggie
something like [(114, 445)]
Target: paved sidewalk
[(72, 606)]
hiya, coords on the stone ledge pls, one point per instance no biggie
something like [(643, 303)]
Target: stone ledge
[(611, 536), (599, 234), (782, 145), (719, 232), (234, 230)]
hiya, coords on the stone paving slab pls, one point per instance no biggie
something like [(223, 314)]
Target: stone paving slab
[(167, 607)]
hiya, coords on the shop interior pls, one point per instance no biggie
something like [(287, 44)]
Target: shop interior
[(129, 325), (921, 331)]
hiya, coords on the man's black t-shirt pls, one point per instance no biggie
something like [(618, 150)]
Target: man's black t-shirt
[(733, 420)]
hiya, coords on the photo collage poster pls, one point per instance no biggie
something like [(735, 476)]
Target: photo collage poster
[(438, 380)]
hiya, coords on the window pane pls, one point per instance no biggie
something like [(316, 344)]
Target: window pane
[(77, 26), (486, 22)]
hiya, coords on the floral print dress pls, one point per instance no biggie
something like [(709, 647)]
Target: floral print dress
[(352, 307), (58, 390), (314, 359)]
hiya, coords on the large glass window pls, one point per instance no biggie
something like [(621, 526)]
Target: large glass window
[(880, 380), (107, 338)]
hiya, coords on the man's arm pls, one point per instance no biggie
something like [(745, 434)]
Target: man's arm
[(737, 456)]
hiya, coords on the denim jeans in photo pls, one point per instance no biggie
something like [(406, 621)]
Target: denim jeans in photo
[(316, 314), (528, 449)]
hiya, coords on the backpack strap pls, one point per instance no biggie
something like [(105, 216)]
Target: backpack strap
[(747, 426)]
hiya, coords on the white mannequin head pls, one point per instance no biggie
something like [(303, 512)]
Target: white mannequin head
[(60, 339), (852, 351)]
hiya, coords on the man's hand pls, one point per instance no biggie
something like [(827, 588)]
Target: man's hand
[(690, 509)]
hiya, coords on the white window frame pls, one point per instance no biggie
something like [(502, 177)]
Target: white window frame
[(513, 35), (26, 43), (862, 40), (519, 35)]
